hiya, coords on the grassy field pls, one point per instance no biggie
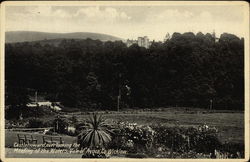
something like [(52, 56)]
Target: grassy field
[(229, 124)]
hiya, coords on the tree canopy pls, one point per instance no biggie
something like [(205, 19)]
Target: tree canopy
[(187, 70)]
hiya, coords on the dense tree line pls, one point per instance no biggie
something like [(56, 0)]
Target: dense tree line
[(187, 70)]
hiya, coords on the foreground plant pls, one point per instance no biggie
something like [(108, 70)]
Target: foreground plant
[(95, 134)]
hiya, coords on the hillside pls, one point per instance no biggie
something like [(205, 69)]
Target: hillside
[(28, 36)]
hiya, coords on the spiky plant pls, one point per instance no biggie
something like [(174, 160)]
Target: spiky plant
[(96, 133)]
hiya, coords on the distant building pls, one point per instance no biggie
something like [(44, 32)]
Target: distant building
[(131, 42), (141, 41), (39, 101), (52, 105)]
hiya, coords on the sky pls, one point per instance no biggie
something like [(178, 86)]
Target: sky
[(127, 22)]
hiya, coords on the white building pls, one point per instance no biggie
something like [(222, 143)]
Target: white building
[(49, 104), (141, 41)]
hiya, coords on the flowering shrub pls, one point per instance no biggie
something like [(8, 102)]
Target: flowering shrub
[(202, 139), (230, 150), (171, 137), (161, 141), (133, 137)]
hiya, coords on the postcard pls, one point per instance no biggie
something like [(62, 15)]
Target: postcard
[(124, 80)]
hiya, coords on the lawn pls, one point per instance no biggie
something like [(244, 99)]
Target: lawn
[(229, 124)]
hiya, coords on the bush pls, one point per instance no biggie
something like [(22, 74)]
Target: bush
[(49, 123), (60, 125), (37, 111), (16, 123), (202, 139), (79, 127), (35, 123), (171, 137), (133, 137), (161, 141), (74, 120), (12, 112), (27, 112), (140, 138), (38, 123), (233, 149)]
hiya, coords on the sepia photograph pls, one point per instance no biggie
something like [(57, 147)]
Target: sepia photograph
[(125, 80)]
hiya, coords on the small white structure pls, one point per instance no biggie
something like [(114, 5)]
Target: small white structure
[(56, 108), (71, 129), (32, 104), (46, 103)]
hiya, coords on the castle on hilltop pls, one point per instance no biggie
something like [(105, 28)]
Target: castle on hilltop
[(144, 41)]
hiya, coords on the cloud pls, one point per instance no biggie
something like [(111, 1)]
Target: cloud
[(40, 10), (47, 11), (36, 12), (179, 16), (104, 15), (96, 14), (170, 15)]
